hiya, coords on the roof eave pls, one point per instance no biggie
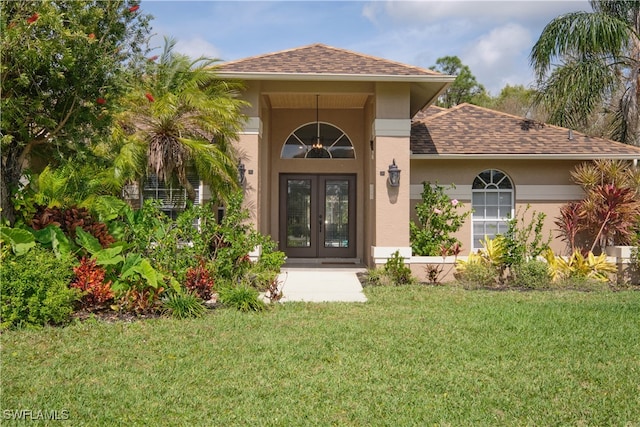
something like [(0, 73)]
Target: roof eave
[(413, 78), (569, 156)]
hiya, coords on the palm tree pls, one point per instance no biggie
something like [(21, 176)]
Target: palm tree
[(599, 70), (186, 118)]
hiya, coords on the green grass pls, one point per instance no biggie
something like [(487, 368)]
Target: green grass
[(410, 356)]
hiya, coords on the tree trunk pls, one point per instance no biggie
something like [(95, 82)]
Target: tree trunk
[(9, 181)]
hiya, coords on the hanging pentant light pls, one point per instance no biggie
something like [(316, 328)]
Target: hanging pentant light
[(317, 144)]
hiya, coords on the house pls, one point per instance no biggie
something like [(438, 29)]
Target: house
[(337, 145)]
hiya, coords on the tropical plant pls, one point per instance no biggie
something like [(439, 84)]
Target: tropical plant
[(487, 266), (90, 279), (183, 305), (199, 281), (186, 118), (64, 64), (16, 241), (438, 218), (69, 220), (241, 297), (35, 289), (580, 266), (599, 71), (610, 211)]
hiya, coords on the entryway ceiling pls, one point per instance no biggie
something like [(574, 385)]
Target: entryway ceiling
[(327, 101)]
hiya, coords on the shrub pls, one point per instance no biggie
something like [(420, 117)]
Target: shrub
[(35, 289), (438, 219), (523, 240), (579, 266), (396, 269), (532, 274), (183, 305), (608, 215), (89, 278), (199, 281), (377, 277), (475, 273), (241, 297), (70, 218)]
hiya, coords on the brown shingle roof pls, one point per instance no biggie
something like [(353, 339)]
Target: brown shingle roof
[(471, 130), (321, 59)]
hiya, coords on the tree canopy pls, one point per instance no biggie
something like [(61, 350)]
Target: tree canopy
[(64, 65), (588, 68), (465, 87)]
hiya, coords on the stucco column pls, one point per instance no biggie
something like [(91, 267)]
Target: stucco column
[(392, 204), (249, 155)]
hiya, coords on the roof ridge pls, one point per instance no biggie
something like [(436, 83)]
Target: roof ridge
[(335, 49), (514, 116)]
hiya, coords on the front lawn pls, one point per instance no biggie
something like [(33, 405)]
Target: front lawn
[(410, 356)]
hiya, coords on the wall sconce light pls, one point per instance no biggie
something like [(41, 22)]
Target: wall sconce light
[(394, 174), (241, 171)]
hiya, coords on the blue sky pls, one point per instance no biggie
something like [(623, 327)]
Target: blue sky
[(493, 38)]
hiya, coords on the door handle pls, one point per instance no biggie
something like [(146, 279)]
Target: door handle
[(320, 223)]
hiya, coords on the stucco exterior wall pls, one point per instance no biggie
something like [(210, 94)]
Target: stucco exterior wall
[(545, 185)]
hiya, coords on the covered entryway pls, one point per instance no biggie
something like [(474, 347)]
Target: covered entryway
[(318, 215)]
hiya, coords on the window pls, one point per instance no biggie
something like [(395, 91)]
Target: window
[(317, 141), (492, 203), (172, 195)]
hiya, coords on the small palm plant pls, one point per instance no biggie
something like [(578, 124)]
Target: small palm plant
[(186, 118)]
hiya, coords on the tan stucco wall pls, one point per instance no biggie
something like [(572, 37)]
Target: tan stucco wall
[(543, 173)]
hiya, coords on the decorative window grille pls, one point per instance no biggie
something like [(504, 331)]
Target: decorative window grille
[(492, 203)]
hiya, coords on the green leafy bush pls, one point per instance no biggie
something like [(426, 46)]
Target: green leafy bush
[(485, 268), (532, 274), (35, 289), (241, 297), (523, 240), (398, 272), (183, 305), (438, 219), (476, 275)]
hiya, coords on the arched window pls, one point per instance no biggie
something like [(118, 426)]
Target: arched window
[(318, 141), (492, 203)]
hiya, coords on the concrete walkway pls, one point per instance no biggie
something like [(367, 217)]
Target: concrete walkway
[(321, 284)]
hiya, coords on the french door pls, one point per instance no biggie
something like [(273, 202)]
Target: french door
[(317, 216)]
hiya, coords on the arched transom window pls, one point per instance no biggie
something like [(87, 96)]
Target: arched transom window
[(492, 203), (318, 141)]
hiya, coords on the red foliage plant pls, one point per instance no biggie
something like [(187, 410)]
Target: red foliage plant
[(90, 280), (70, 218), (199, 281), (608, 214)]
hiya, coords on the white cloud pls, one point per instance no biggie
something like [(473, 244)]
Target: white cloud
[(501, 52), (428, 11), (197, 46)]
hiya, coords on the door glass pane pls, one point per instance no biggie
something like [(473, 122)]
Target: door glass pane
[(299, 213), (336, 208)]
